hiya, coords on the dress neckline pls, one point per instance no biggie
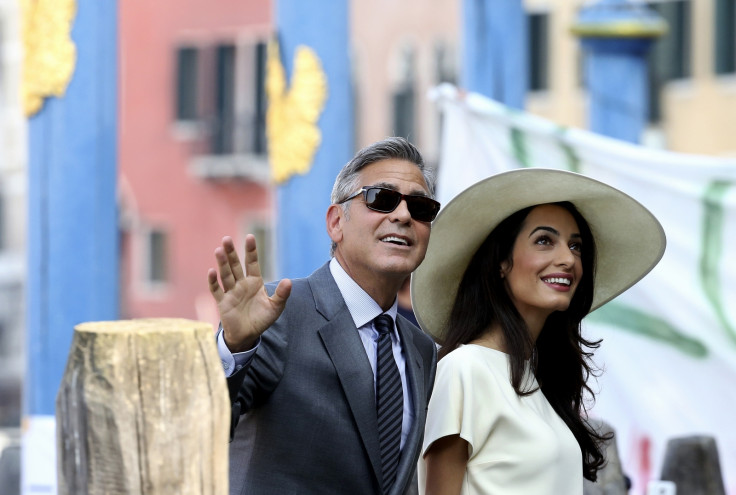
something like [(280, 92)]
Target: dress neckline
[(491, 349)]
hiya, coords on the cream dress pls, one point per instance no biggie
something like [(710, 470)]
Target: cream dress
[(516, 445)]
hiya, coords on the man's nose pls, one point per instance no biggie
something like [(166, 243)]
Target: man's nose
[(401, 212)]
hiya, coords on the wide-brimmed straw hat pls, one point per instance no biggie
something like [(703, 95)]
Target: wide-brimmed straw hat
[(629, 239)]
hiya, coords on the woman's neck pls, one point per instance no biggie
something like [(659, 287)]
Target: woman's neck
[(492, 338)]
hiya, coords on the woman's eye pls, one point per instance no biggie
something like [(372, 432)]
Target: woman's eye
[(577, 247), (543, 240)]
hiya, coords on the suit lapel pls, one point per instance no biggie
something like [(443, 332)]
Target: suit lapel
[(347, 353)]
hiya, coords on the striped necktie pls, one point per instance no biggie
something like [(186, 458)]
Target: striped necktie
[(389, 402)]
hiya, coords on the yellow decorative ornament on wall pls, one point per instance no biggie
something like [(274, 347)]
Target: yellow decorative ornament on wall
[(49, 54), (293, 113)]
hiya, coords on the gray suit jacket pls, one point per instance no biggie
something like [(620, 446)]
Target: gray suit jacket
[(306, 404)]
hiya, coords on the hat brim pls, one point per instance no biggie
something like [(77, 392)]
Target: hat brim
[(629, 240)]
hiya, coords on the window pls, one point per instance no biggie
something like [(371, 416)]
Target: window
[(403, 97), (669, 58), (266, 255), (224, 123), (223, 87), (239, 120), (187, 60), (725, 36), (670, 54), (538, 29), (156, 271), (249, 99), (445, 70), (404, 112), (259, 114)]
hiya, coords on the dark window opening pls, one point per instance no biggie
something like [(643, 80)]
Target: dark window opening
[(669, 58), (186, 83), (725, 36), (157, 255), (538, 25), (223, 130)]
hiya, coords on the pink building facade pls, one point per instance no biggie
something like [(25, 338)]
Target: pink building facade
[(191, 135), (192, 147)]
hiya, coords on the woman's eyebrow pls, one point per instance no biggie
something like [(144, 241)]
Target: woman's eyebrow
[(554, 231), (544, 227)]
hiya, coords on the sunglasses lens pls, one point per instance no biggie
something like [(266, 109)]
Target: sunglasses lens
[(421, 208), (383, 200)]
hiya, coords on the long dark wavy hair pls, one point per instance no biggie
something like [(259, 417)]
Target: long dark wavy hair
[(560, 359)]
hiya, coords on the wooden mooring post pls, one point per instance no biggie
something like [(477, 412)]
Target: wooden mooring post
[(692, 464), (143, 408), (611, 477)]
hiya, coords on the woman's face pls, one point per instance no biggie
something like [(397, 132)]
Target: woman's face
[(546, 263)]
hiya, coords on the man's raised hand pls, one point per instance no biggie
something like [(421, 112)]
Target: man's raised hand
[(246, 310)]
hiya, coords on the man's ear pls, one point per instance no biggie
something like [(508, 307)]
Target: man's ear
[(335, 219)]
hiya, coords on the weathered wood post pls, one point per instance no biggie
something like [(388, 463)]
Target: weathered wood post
[(143, 408), (611, 478), (692, 464)]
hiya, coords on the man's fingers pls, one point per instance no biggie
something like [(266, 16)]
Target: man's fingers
[(223, 265), (252, 269), (282, 292), (214, 285), (232, 258)]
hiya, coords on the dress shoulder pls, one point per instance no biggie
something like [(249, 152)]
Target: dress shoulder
[(468, 380), (472, 362)]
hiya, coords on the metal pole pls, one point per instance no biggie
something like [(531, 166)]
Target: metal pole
[(495, 59), (616, 36), (73, 232), (302, 200)]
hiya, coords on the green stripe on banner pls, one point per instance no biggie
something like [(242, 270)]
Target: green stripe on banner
[(518, 144), (646, 325), (713, 224), (573, 160)]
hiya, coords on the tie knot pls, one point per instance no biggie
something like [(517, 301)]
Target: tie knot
[(383, 324)]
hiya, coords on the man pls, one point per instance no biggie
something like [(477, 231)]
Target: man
[(333, 396)]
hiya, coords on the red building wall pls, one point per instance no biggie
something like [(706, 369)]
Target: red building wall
[(157, 187)]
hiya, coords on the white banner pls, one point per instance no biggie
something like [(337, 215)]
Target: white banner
[(669, 343)]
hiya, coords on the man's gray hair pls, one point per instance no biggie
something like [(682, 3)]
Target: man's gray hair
[(398, 148)]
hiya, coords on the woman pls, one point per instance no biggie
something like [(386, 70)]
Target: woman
[(513, 265)]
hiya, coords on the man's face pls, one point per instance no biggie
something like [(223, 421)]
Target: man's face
[(374, 246)]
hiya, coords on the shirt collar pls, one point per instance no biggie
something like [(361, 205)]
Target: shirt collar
[(362, 307)]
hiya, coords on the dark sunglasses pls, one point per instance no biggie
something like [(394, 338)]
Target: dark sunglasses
[(421, 208)]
